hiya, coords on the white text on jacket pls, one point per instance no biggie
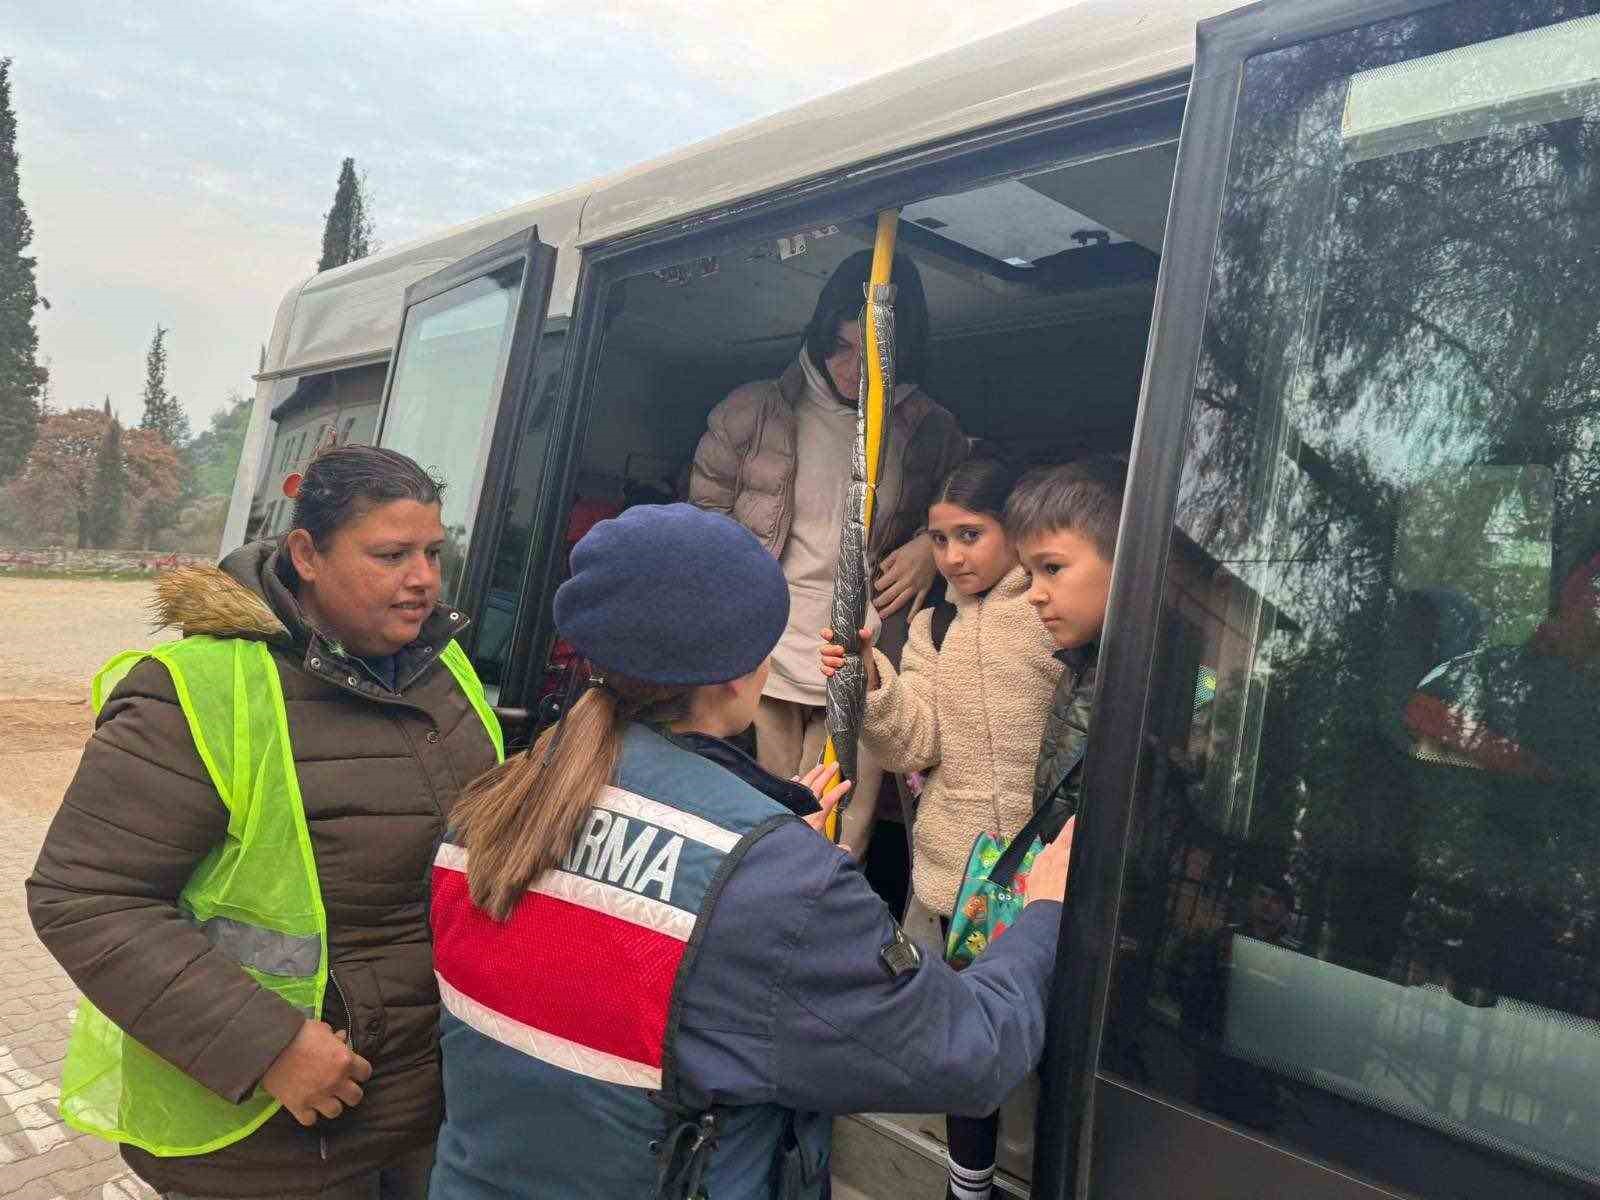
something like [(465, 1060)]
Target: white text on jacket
[(615, 849)]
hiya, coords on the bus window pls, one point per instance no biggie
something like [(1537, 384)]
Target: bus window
[(442, 395), (497, 618), (304, 412), (1362, 912), (458, 381)]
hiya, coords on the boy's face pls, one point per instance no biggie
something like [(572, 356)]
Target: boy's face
[(1070, 584)]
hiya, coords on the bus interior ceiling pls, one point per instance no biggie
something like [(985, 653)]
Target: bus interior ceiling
[(1039, 290)]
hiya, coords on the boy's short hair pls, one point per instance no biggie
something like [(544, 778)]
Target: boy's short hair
[(1084, 497)]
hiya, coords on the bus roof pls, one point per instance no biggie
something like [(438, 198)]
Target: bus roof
[(351, 314)]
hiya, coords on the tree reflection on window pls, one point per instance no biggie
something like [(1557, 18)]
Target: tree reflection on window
[(1388, 553)]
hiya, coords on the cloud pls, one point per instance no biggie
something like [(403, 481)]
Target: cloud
[(177, 159)]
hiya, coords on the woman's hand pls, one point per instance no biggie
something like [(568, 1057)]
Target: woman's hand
[(819, 780), (832, 655), (1047, 879), (904, 577), (317, 1074)]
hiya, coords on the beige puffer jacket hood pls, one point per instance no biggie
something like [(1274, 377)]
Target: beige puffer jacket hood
[(972, 711)]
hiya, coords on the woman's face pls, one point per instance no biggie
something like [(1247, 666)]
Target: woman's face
[(377, 579), (844, 363), (970, 549)]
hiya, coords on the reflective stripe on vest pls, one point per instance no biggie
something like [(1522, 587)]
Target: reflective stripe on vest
[(264, 950), (256, 895)]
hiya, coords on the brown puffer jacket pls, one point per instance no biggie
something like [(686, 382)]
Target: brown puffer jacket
[(745, 463), (378, 773)]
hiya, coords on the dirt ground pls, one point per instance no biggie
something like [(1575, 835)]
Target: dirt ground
[(54, 635)]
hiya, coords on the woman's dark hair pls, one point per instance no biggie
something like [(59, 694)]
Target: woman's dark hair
[(844, 296), (345, 483), (979, 485)]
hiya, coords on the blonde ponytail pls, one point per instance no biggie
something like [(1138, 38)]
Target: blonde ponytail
[(523, 818)]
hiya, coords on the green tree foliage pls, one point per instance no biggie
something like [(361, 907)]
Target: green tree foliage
[(212, 457), (22, 379), (108, 498), (347, 226), (1392, 454), (163, 412)]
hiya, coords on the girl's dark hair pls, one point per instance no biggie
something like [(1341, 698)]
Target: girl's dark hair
[(843, 298), (979, 485), (345, 483)]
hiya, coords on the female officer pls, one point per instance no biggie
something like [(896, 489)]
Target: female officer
[(237, 876), (657, 979)]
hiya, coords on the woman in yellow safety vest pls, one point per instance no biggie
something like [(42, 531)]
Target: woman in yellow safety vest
[(236, 878)]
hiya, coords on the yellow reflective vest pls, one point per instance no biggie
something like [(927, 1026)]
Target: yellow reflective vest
[(255, 896)]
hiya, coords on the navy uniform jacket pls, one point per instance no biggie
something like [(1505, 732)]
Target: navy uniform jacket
[(790, 1001), (784, 1004)]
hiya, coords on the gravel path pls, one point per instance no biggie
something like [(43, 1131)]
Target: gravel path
[(54, 634)]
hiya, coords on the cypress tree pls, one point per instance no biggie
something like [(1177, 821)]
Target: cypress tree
[(347, 226), (163, 414), (22, 379), (108, 499)]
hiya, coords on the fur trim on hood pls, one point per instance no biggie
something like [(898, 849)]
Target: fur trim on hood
[(204, 599)]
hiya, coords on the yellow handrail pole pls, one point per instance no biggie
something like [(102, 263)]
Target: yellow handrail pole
[(877, 414)]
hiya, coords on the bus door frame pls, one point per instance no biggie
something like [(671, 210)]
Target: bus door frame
[(1072, 1084)]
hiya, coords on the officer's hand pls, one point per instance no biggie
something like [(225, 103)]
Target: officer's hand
[(832, 656), (1048, 878), (317, 1073), (820, 780)]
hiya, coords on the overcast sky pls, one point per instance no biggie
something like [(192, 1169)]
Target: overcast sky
[(177, 157)]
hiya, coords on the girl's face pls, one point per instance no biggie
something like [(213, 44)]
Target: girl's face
[(970, 549)]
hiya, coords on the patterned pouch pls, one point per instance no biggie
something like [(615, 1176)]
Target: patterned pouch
[(995, 884), (992, 892)]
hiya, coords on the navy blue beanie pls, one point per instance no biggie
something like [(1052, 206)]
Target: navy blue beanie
[(671, 594)]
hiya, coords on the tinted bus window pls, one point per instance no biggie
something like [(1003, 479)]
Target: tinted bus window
[(445, 393), (1366, 881)]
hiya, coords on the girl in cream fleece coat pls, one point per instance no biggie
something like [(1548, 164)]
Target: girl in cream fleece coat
[(972, 711)]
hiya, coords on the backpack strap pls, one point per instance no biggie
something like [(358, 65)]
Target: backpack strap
[(1047, 821)]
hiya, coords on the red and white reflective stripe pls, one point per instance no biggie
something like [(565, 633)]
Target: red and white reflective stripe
[(579, 977), (580, 974), (630, 804), (593, 894), (546, 1047)]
